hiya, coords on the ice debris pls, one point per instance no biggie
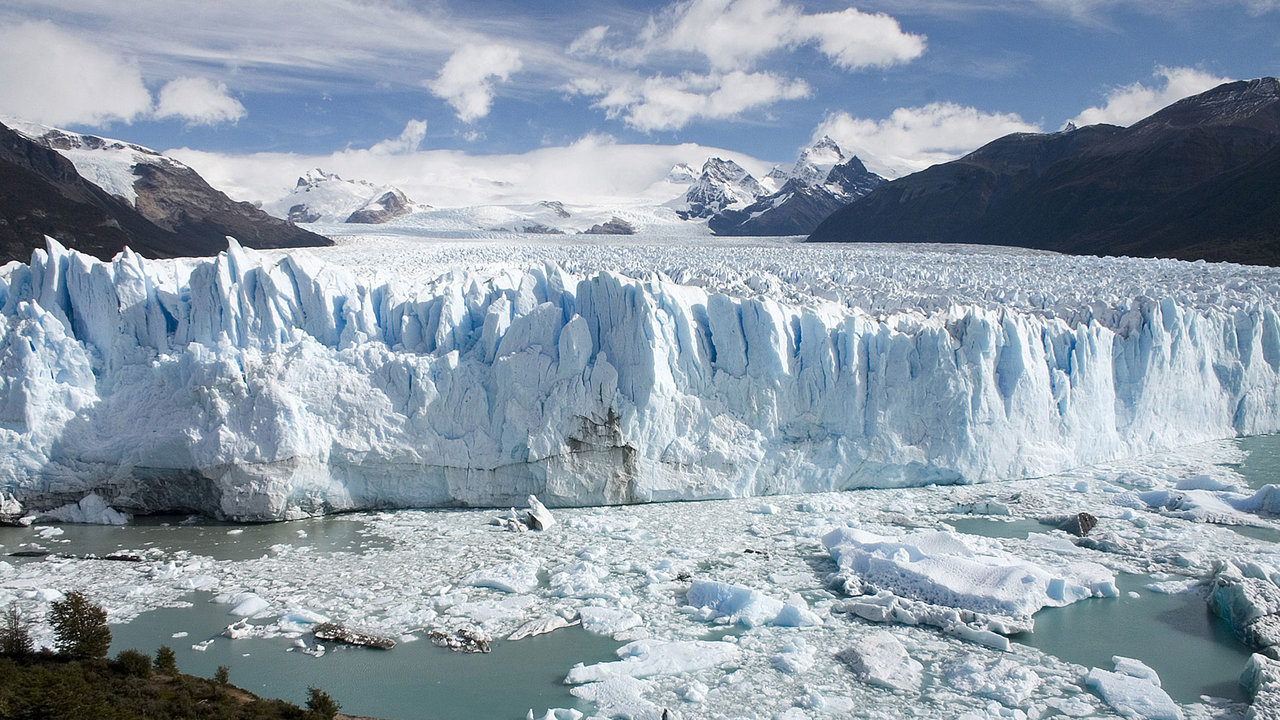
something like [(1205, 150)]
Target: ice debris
[(540, 626), (337, 632), (750, 607), (90, 510), (643, 658)]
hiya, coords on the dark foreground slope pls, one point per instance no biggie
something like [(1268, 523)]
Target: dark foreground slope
[(1196, 180), (177, 212)]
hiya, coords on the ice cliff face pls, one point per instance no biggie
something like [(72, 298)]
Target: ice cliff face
[(251, 389)]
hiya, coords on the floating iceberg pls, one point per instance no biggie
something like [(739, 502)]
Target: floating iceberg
[(253, 388), (942, 569)]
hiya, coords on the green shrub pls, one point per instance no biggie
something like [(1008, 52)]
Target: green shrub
[(79, 627), (133, 663), (223, 675), (166, 660), (321, 704)]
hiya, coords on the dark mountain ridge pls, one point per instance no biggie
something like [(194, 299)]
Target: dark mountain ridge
[(1196, 181), (176, 214)]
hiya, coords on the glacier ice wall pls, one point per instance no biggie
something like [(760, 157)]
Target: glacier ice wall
[(254, 389)]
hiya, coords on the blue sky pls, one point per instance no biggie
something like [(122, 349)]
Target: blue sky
[(902, 82)]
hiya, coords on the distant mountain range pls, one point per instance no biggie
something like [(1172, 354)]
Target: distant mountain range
[(98, 195), (1198, 180)]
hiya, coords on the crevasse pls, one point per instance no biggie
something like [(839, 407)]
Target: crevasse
[(259, 389)]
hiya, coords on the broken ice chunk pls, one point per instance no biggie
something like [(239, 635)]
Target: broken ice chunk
[(539, 516), (880, 659), (1137, 698)]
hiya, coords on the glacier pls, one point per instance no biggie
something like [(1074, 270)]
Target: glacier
[(273, 386)]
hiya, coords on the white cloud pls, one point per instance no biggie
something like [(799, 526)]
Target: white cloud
[(199, 101), (1130, 103), (467, 78), (51, 76), (911, 139), (670, 103), (854, 39), (415, 131), (735, 34)]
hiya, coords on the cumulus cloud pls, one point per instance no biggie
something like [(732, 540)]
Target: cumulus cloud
[(911, 139), (410, 139), (199, 101), (669, 103), (1130, 103), (51, 76), (466, 81), (735, 34)]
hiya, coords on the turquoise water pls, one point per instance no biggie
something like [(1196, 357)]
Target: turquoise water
[(413, 680), (1192, 649)]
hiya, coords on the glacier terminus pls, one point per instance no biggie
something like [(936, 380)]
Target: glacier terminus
[(267, 386)]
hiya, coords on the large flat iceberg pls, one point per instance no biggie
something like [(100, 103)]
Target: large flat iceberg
[(264, 387)]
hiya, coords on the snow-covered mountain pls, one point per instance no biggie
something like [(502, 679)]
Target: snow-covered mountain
[(244, 388), (324, 197), (719, 185), (100, 194), (821, 181)]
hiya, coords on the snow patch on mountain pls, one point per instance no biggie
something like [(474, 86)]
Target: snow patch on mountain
[(105, 162)]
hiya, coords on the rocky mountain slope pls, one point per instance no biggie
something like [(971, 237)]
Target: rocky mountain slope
[(1195, 180), (99, 195)]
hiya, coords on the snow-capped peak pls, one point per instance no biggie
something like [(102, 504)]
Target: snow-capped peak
[(815, 162), (681, 173)]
